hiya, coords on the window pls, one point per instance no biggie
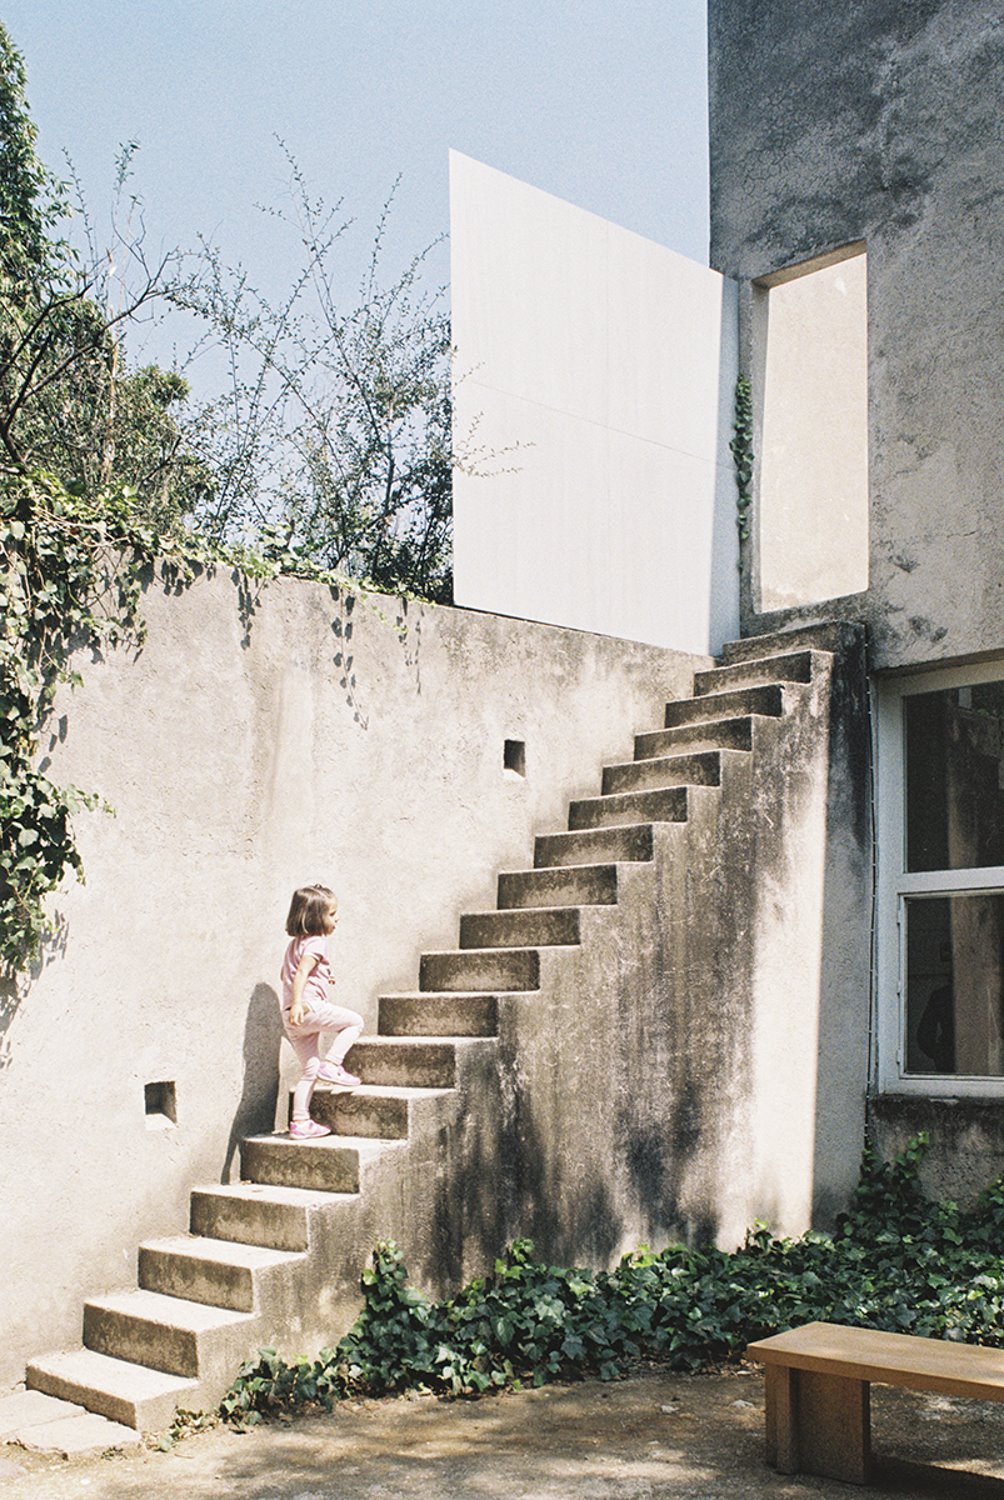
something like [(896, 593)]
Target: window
[(941, 882)]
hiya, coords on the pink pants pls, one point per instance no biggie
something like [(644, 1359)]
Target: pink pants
[(305, 1040)]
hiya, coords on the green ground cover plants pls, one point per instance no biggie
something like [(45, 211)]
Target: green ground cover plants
[(896, 1260)]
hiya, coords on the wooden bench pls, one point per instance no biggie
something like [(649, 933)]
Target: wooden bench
[(817, 1390)]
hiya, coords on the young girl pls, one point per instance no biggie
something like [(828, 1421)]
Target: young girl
[(306, 1011)]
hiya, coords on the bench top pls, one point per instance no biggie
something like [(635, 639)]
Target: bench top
[(887, 1358)]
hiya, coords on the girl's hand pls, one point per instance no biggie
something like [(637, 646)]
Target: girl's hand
[(304, 969)]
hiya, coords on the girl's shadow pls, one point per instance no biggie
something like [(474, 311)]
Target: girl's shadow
[(260, 1091)]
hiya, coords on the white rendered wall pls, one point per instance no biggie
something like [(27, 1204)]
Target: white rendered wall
[(592, 411), (324, 736), (813, 534)]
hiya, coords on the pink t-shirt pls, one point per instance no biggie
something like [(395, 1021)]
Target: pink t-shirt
[(316, 988)]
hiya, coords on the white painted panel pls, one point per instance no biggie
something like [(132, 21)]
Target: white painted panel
[(595, 373)]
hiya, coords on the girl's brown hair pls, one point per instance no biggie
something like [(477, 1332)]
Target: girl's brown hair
[(307, 911)]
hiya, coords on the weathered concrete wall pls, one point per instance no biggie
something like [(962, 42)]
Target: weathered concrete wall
[(966, 1147), (880, 120), (254, 744)]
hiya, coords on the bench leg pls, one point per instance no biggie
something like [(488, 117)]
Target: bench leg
[(818, 1424), (782, 1425)]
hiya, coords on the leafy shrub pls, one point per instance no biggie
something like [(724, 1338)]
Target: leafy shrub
[(896, 1261)]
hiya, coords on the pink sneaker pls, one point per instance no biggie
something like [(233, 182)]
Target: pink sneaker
[(335, 1073), (307, 1130)]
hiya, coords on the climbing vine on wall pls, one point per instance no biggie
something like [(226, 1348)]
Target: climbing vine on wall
[(70, 576), (741, 448), (72, 571)]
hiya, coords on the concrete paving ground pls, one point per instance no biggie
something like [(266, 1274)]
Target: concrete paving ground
[(651, 1436)]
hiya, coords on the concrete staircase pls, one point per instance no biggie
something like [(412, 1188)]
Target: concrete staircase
[(275, 1257)]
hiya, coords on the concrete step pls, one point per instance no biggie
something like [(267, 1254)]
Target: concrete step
[(829, 635), (333, 1164), (451, 1013), (577, 885), (213, 1271), (254, 1213), (163, 1333), (720, 734), (766, 699), (479, 969), (115, 1388), (406, 1062), (792, 666), (22, 1409), (629, 844), (703, 769), (663, 805), (529, 927), (384, 1113), (46, 1424)]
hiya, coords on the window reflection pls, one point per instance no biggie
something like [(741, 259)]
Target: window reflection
[(954, 989), (955, 778)]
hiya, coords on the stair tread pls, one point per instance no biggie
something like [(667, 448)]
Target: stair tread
[(447, 1038), (736, 718), (268, 1192), (702, 734), (820, 635), (395, 1043), (745, 690), (770, 660), (176, 1312), (395, 1090), (225, 1252), (367, 1146), (622, 864), (470, 953), (533, 911), (115, 1377), (606, 865), (787, 657), (572, 836), (451, 995), (680, 755)]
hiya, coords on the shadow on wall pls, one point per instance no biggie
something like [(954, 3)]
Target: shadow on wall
[(260, 1090), (511, 1187)]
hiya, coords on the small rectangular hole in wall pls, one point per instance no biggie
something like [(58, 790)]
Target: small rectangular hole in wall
[(514, 757), (160, 1100)]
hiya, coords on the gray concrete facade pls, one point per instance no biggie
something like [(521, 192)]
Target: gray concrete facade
[(879, 121)]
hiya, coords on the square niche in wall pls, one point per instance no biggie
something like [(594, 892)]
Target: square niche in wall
[(514, 757), (160, 1102)]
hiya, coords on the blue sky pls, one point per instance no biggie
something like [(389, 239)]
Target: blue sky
[(602, 102)]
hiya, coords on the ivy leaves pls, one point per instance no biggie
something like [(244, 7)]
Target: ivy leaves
[(741, 448), (896, 1261), (72, 569), (70, 574)]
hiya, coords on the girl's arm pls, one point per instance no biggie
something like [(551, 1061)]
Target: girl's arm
[(304, 969)]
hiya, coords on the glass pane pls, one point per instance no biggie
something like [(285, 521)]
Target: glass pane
[(954, 989), (955, 778)]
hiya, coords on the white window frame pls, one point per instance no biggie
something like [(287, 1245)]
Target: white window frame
[(895, 884)]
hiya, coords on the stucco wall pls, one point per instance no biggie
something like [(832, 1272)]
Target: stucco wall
[(966, 1140), (879, 120), (253, 744)]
